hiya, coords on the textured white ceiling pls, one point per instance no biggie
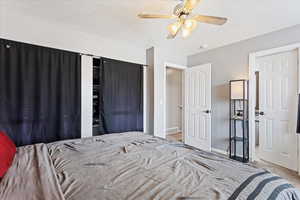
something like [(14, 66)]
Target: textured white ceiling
[(118, 19)]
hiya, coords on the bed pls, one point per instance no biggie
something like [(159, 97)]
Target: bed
[(134, 166)]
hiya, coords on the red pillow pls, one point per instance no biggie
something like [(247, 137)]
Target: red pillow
[(7, 153)]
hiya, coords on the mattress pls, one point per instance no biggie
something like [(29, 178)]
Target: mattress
[(134, 166)]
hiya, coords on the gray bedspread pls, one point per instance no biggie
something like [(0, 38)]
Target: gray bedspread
[(31, 177), (137, 166)]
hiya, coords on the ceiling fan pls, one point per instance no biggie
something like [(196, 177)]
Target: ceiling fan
[(185, 21)]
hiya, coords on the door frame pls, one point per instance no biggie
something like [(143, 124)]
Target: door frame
[(252, 95), (179, 67)]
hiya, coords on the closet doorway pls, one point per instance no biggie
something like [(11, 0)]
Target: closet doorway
[(174, 104), (117, 96)]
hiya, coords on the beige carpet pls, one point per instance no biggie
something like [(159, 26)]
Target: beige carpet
[(288, 174)]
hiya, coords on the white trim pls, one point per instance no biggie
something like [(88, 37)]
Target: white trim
[(252, 84), (176, 66), (214, 150), (276, 50), (298, 113), (172, 130), (252, 95), (172, 65), (86, 96), (145, 102), (298, 69)]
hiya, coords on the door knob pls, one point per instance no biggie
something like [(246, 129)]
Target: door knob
[(261, 113), (207, 111)]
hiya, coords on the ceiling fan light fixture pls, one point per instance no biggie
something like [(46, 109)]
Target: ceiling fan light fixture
[(186, 32), (190, 24), (173, 28), (186, 22)]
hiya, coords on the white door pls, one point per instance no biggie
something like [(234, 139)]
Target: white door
[(278, 102), (197, 109)]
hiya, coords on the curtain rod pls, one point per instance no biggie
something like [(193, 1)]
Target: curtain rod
[(91, 55), (8, 45)]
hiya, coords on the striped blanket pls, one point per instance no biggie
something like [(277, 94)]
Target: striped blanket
[(264, 185)]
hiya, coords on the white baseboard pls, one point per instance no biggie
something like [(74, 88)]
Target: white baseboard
[(219, 151), (222, 152), (172, 130)]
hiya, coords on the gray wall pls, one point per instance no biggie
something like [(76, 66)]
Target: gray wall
[(231, 62)]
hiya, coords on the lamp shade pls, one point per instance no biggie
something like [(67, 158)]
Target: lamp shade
[(238, 89)]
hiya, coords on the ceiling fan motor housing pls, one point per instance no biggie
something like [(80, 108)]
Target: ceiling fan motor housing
[(179, 10)]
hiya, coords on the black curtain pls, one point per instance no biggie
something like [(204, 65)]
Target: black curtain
[(121, 96), (40, 93)]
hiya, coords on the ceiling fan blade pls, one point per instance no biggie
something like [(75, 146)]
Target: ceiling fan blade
[(189, 5), (210, 19), (154, 16)]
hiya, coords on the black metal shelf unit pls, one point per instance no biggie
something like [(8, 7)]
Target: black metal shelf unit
[(238, 123), (96, 96)]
